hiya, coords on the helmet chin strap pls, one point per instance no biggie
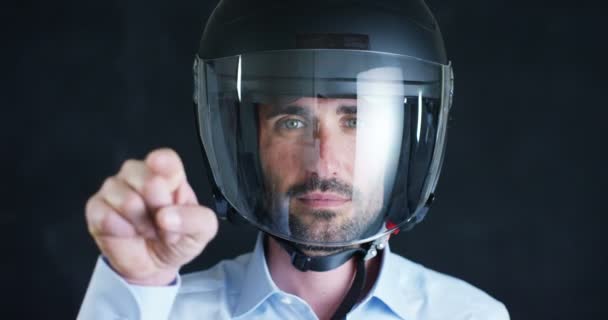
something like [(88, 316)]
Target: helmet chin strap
[(366, 251), (304, 262)]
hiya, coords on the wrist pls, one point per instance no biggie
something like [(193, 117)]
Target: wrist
[(160, 278)]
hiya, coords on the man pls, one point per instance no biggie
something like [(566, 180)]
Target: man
[(328, 137)]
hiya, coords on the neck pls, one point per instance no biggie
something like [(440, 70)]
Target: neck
[(323, 291)]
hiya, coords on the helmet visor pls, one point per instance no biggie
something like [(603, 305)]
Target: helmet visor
[(323, 147)]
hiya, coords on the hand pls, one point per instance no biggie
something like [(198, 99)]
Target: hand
[(146, 220)]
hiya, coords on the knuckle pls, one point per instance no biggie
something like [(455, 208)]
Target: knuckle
[(154, 152), (168, 151), (165, 152), (89, 204), (208, 221), (154, 181), (108, 184), (96, 218), (209, 214), (128, 166), (132, 202), (94, 230)]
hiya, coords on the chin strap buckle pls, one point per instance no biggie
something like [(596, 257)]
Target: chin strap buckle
[(300, 261)]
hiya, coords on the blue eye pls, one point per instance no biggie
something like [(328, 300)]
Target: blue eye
[(351, 123), (292, 124)]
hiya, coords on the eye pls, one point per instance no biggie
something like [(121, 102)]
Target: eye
[(351, 123), (292, 124)]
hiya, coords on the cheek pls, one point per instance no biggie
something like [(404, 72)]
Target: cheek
[(346, 155), (350, 150), (283, 158), (281, 162)]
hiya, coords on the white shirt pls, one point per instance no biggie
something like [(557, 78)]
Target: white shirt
[(242, 288)]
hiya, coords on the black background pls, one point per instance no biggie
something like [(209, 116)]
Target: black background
[(520, 210)]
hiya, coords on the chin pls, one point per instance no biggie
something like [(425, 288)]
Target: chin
[(322, 230)]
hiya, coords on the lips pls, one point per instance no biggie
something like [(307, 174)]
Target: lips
[(320, 199)]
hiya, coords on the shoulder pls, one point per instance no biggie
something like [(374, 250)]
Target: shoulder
[(447, 297)]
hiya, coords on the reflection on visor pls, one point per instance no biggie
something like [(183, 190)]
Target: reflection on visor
[(317, 154)]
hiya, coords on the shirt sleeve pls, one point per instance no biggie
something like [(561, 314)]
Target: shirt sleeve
[(109, 296), (500, 313)]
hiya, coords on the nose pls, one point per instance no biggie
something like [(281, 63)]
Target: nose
[(325, 156)]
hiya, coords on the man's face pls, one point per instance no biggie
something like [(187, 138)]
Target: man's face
[(319, 187)]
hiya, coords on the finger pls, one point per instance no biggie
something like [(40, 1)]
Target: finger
[(135, 173), (157, 194), (197, 222), (129, 204), (140, 178), (103, 220), (167, 163), (184, 195)]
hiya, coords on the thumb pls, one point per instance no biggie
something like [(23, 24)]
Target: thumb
[(193, 221)]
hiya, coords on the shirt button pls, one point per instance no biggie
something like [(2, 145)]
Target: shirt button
[(286, 300)]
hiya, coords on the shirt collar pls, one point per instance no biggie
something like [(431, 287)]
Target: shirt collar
[(398, 285), (257, 284)]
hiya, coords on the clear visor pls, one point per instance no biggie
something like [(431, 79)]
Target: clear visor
[(324, 147)]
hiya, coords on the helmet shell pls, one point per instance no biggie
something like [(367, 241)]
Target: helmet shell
[(399, 27)]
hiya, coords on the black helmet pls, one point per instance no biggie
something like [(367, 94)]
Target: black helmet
[(323, 122)]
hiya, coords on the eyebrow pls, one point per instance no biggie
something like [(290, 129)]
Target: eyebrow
[(276, 110), (346, 110)]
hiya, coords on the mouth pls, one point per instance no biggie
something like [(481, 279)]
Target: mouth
[(322, 200)]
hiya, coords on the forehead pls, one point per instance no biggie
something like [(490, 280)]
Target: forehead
[(323, 102)]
